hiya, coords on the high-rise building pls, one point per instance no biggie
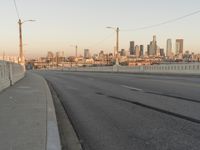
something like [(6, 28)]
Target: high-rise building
[(154, 38), (101, 55), (137, 51), (132, 48), (148, 49), (169, 48), (179, 46), (86, 53), (50, 55), (158, 51), (141, 50), (122, 52), (153, 47), (162, 52)]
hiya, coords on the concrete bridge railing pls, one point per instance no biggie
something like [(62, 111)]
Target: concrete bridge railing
[(10, 73), (190, 69)]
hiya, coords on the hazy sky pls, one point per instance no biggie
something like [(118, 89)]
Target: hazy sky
[(61, 23)]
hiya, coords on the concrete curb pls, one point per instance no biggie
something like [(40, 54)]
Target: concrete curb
[(53, 138), (68, 136)]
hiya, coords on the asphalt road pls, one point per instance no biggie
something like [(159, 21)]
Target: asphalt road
[(131, 112)]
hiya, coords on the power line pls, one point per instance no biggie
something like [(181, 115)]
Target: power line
[(165, 22), (17, 12), (98, 43)]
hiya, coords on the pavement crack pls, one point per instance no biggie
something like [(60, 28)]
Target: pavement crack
[(172, 96), (161, 94), (99, 93), (157, 109)]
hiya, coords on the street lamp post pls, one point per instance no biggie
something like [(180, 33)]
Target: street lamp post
[(21, 53), (76, 59), (117, 44), (21, 59), (76, 47), (76, 50)]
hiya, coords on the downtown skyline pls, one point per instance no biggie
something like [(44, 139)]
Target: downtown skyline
[(66, 23)]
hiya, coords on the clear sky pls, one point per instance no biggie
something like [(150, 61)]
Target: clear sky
[(61, 23)]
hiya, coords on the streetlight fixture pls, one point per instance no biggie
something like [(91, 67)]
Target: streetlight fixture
[(117, 44), (21, 59)]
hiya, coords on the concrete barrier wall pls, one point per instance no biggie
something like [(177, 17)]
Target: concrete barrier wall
[(18, 72), (190, 69), (4, 76), (10, 73)]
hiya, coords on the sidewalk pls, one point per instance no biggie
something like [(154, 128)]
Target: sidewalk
[(27, 116)]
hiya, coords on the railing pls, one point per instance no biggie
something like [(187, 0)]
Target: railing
[(190, 68), (10, 73)]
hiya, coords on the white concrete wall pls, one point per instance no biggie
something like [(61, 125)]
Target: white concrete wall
[(190, 68), (10, 73), (4, 76)]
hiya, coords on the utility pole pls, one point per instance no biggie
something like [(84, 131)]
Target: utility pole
[(21, 52), (117, 47), (116, 54), (21, 59), (76, 51)]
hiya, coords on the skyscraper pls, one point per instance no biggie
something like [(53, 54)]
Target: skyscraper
[(148, 49), (132, 48), (162, 52), (158, 51), (179, 46), (86, 53), (50, 55), (141, 50), (154, 38), (137, 51), (153, 47), (169, 48), (122, 52), (101, 55)]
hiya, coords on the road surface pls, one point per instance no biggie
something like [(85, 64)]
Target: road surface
[(131, 112)]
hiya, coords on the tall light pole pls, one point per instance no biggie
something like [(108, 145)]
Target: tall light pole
[(76, 50), (76, 59), (117, 44), (21, 59), (76, 53)]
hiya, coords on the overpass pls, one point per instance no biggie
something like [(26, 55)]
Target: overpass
[(125, 111), (109, 108)]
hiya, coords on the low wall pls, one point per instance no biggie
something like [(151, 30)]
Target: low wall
[(190, 69), (10, 73)]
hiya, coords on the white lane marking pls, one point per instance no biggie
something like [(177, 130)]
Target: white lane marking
[(131, 88)]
